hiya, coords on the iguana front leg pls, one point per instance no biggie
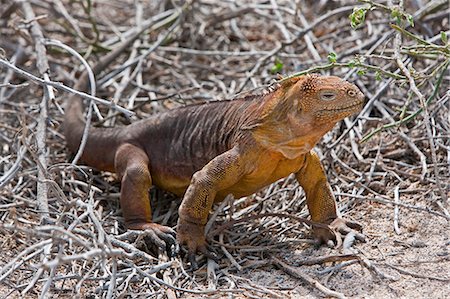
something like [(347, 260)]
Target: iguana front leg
[(321, 202), (220, 173), (132, 165)]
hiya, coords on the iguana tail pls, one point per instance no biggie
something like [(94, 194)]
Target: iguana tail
[(102, 143)]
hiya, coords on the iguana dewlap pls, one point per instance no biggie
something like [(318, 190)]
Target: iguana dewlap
[(205, 152)]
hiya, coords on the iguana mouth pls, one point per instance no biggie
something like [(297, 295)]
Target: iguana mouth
[(338, 113), (342, 109)]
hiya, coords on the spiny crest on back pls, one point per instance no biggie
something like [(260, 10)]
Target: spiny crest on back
[(253, 94), (256, 92)]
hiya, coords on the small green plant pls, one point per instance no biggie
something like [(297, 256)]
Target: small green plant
[(277, 66), (378, 76), (358, 16), (332, 57)]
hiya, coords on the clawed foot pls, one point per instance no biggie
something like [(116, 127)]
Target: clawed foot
[(339, 227), (192, 236), (161, 236)]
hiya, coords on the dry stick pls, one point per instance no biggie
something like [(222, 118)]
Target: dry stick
[(415, 90), (17, 58), (349, 240), (257, 248), (331, 269), (298, 35), (175, 17), (103, 240), (396, 210), (41, 132), (60, 86), (256, 288), (229, 198), (414, 114), (59, 6), (417, 275), (9, 85), (374, 269), (9, 174), (125, 78), (211, 274), (390, 202), (93, 87), (281, 215), (327, 259), (417, 15), (286, 33), (85, 276), (132, 252), (366, 108), (309, 36), (306, 278), (23, 256), (146, 24), (423, 159), (228, 255), (140, 60), (92, 91), (162, 282), (126, 283)]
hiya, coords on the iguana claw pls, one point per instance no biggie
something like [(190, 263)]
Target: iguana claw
[(192, 235), (159, 235), (339, 226)]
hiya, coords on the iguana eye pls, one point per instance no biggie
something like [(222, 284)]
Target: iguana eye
[(328, 95), (351, 92)]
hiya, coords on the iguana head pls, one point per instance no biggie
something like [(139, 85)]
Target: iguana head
[(302, 109), (323, 99)]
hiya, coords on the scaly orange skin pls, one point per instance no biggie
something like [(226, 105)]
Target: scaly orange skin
[(205, 152)]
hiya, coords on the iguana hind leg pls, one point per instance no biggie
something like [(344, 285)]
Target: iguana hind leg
[(131, 163), (321, 202)]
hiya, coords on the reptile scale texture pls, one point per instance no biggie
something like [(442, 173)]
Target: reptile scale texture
[(205, 152)]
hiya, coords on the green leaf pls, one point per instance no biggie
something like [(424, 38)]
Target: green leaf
[(277, 67), (444, 38), (361, 72), (378, 76), (397, 15), (410, 20), (332, 57), (358, 16), (352, 63)]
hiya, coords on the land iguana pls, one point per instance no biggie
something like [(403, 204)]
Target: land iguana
[(204, 152)]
